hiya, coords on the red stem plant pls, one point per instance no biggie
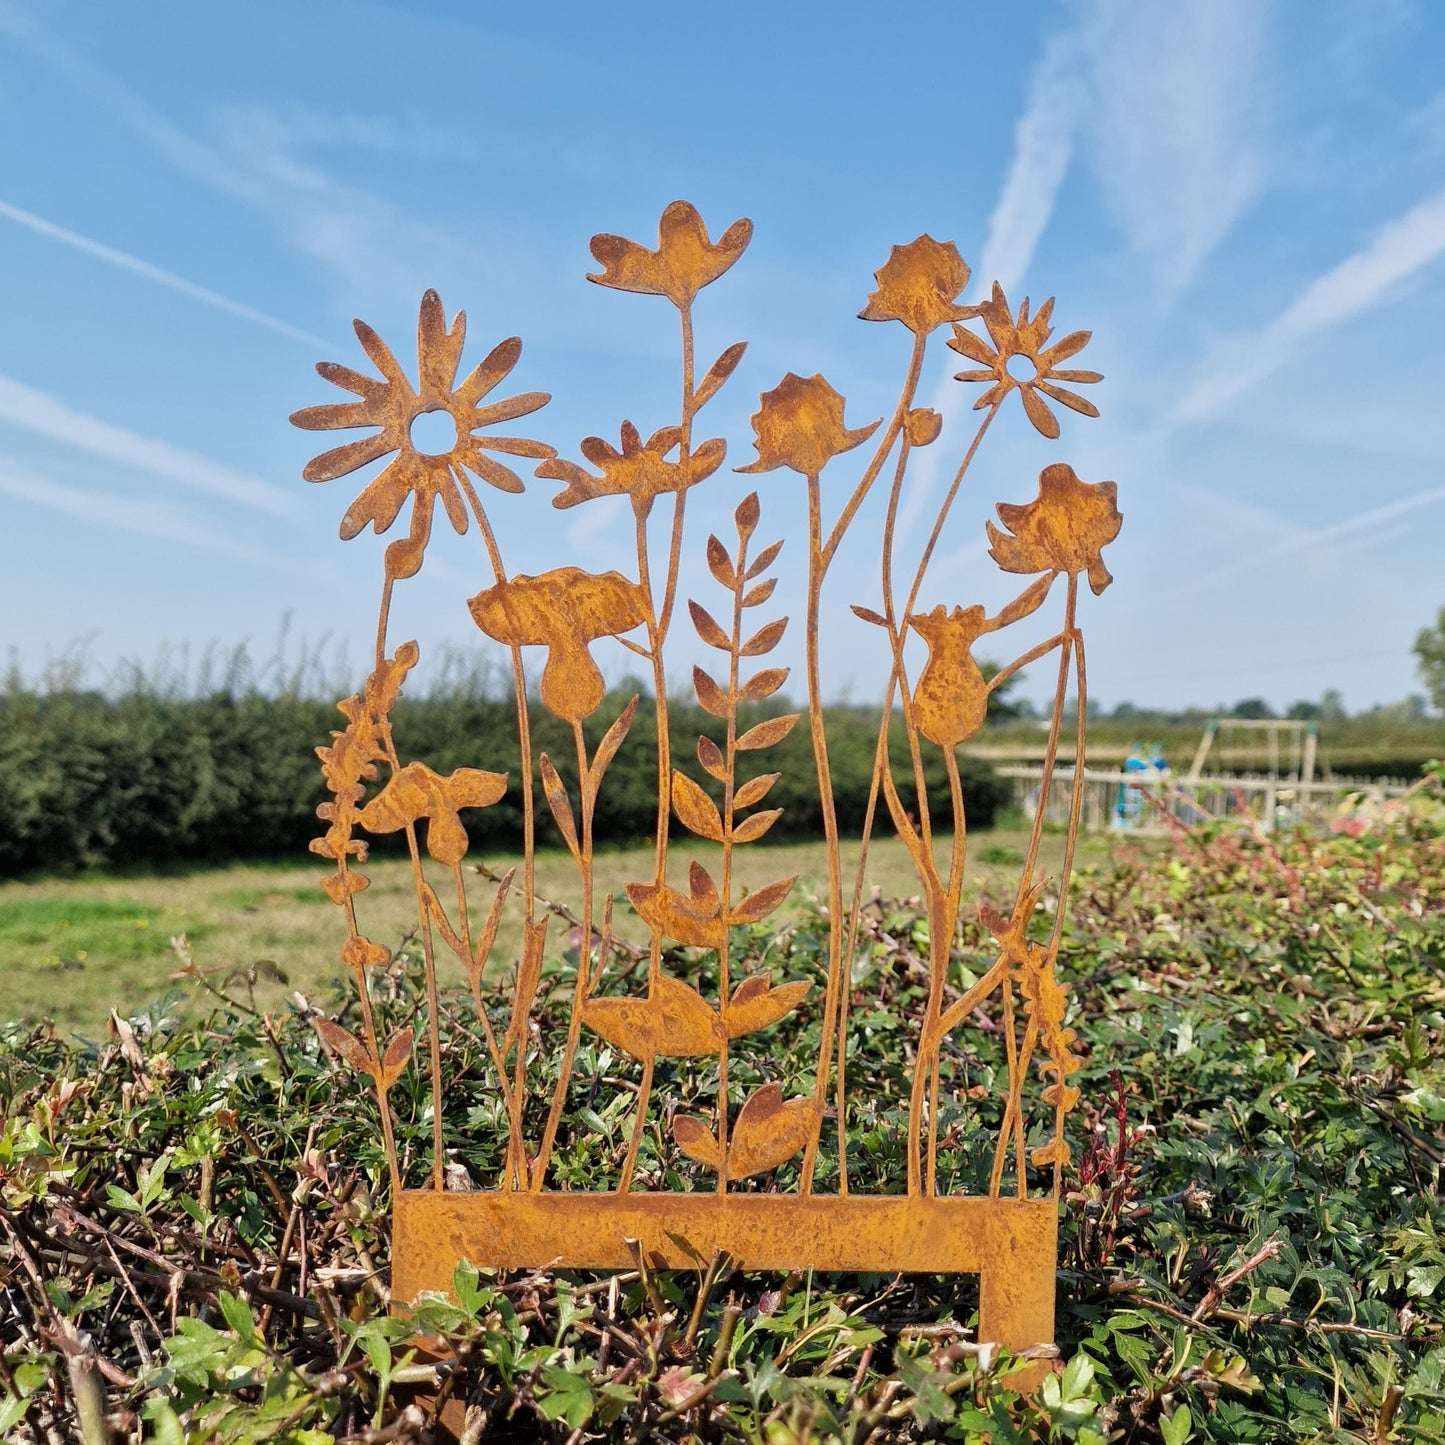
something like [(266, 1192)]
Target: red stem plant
[(941, 704)]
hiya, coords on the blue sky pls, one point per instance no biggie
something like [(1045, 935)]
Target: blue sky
[(1244, 202)]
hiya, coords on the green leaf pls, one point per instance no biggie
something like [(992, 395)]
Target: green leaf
[(1176, 1428), (568, 1396), (1424, 1279), (239, 1317)]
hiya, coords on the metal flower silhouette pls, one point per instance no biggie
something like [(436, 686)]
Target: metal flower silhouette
[(393, 404), (800, 425), (918, 285), (1064, 529), (563, 610), (639, 471), (1026, 338), (416, 792), (684, 262), (951, 700)]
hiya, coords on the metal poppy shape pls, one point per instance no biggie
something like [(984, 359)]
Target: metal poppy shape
[(800, 425), (684, 262), (951, 699), (1064, 529), (639, 472), (416, 792), (563, 610), (1026, 338), (393, 404), (918, 285), (672, 1022)]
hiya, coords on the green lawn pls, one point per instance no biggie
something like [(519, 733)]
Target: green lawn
[(71, 949)]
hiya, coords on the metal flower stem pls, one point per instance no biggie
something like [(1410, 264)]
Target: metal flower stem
[(880, 756), (368, 1023), (657, 628), (582, 985), (830, 817), (516, 1164), (1013, 1111), (730, 753), (433, 1002), (820, 558)]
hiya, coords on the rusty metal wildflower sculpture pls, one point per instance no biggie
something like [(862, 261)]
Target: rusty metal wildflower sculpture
[(802, 425)]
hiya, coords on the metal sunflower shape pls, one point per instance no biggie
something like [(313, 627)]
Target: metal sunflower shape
[(1026, 338), (393, 404)]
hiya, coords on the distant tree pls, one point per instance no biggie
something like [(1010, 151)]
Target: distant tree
[(1430, 660), (1124, 712), (1252, 709), (1000, 709), (1303, 711), (1332, 706)]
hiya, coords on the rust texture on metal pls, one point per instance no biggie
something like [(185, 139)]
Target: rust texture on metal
[(935, 690)]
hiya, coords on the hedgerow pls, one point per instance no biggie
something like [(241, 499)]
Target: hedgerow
[(144, 780), (193, 1225)]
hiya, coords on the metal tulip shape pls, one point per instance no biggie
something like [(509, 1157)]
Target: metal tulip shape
[(768, 1163)]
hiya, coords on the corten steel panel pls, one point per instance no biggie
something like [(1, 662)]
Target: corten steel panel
[(933, 690), (1010, 1243)]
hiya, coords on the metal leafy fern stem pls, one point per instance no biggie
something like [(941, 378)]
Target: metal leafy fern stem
[(1009, 1237)]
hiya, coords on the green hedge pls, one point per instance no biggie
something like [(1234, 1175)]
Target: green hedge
[(142, 780)]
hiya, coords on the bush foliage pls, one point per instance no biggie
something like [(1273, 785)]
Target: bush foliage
[(193, 1229), (143, 780)]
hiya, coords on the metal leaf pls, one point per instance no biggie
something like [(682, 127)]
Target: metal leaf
[(394, 1061), (612, 739), (765, 639), (763, 560), (559, 802), (675, 1022), (711, 758), (695, 810), (764, 684), (765, 734), (697, 1141), (693, 919), (768, 1131), (751, 829), (718, 373), (347, 1045), (720, 564), (709, 694), (707, 627), (754, 790), (755, 906), (754, 1005)]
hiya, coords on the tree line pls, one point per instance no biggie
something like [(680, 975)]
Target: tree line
[(90, 780)]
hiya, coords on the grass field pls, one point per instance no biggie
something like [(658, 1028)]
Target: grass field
[(71, 949)]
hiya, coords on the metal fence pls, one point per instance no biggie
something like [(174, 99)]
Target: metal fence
[(1140, 803)]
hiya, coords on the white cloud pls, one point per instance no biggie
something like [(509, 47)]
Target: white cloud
[(369, 245), (38, 412), (1174, 125), (144, 516), (1398, 251), (1043, 147), (1369, 527), (137, 267)]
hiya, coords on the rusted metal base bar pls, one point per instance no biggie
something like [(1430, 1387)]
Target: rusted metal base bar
[(1009, 1243)]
